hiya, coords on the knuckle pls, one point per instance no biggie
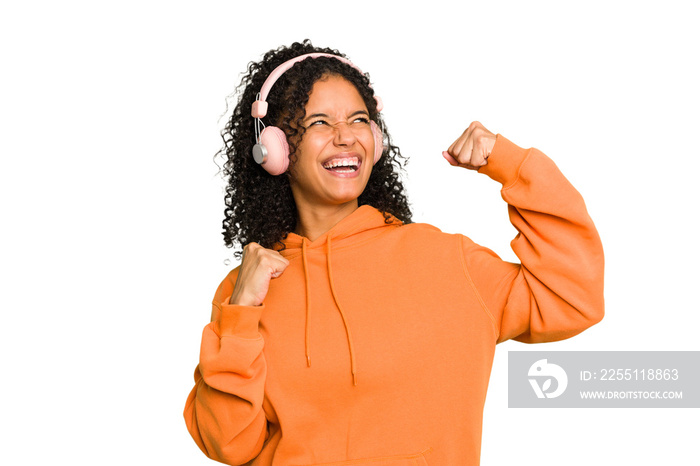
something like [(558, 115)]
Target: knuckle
[(251, 247)]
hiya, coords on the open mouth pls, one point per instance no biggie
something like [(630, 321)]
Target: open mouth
[(342, 165)]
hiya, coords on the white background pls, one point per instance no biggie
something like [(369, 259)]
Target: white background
[(111, 204)]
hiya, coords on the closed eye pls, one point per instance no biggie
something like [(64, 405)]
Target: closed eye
[(319, 123)]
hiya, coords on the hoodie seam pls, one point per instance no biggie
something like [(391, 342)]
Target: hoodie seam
[(363, 241), (341, 248), (483, 305)]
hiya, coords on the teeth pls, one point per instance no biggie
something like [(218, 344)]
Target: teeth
[(344, 162)]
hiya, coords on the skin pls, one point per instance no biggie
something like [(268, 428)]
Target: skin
[(472, 149), (337, 126)]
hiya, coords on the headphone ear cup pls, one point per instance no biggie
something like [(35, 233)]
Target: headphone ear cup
[(275, 141), (378, 141)]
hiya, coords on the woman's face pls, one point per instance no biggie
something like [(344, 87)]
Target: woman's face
[(335, 156)]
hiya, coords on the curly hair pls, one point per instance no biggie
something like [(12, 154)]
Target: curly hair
[(259, 206)]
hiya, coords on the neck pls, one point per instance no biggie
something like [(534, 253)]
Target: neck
[(313, 223)]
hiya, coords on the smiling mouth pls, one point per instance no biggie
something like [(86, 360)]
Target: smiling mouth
[(343, 165)]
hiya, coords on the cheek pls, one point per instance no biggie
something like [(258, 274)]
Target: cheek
[(367, 141), (305, 159), (311, 146)]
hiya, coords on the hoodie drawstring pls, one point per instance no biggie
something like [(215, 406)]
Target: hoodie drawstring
[(342, 314), (337, 304)]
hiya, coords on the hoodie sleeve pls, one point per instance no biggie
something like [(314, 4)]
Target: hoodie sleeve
[(224, 409), (557, 290)]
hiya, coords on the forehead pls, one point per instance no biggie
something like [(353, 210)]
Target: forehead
[(334, 93)]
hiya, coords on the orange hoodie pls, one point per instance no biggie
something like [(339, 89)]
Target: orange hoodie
[(375, 345)]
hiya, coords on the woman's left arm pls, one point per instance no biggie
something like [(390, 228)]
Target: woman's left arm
[(557, 290)]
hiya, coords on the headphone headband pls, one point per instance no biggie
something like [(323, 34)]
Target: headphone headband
[(271, 149), (259, 109)]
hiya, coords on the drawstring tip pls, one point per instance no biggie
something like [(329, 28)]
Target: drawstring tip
[(354, 379), (308, 361)]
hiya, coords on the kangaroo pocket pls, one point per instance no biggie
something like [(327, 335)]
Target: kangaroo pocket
[(416, 459)]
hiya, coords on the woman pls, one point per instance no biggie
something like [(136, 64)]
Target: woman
[(349, 335)]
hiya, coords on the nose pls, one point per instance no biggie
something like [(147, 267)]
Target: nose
[(344, 135)]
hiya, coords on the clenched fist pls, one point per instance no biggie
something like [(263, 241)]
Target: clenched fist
[(472, 149), (258, 267)]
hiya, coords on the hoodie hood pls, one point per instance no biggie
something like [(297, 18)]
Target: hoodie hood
[(363, 224)]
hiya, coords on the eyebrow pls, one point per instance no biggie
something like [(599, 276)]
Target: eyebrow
[(316, 115)]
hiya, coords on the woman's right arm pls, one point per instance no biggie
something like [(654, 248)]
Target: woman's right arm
[(224, 409)]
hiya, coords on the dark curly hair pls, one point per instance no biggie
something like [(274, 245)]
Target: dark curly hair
[(260, 207)]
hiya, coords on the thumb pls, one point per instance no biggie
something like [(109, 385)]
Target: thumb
[(450, 159), (278, 266)]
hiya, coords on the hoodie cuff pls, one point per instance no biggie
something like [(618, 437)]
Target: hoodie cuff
[(504, 162), (240, 321)]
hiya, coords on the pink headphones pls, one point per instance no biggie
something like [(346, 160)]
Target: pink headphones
[(271, 149)]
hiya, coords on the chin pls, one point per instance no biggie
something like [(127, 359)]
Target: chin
[(349, 194)]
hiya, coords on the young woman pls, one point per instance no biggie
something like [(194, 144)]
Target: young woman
[(349, 335)]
